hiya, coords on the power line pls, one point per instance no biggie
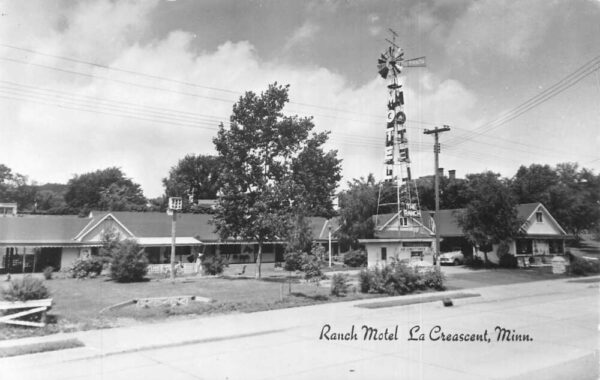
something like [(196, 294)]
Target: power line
[(564, 84), (171, 80)]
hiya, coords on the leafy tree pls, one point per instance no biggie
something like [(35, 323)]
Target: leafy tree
[(106, 189), (15, 187), (534, 184), (265, 169), (111, 244), (317, 174), (453, 193), (572, 195), (193, 178), (299, 235), (357, 206), (491, 215)]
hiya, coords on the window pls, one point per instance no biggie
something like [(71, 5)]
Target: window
[(524, 247), (383, 253), (403, 221), (539, 217), (555, 246)]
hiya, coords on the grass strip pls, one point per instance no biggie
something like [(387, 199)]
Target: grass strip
[(587, 280), (412, 301), (35, 348)]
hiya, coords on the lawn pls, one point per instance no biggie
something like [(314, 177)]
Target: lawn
[(77, 303)]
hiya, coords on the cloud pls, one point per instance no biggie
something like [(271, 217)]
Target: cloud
[(507, 29), (145, 125), (301, 36), (374, 27)]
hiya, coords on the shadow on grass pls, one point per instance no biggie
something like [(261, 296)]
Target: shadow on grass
[(316, 297)]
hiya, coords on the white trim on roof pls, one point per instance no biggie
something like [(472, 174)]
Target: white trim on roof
[(524, 226), (166, 241), (81, 235)]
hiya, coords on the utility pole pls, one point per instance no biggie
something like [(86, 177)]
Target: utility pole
[(436, 151), (175, 204), (329, 236)]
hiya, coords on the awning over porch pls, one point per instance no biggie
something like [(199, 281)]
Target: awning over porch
[(166, 241)]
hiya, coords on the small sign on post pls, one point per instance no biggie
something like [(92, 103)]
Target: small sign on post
[(175, 204)]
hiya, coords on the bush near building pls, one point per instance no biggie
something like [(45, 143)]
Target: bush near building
[(356, 258), (86, 267), (129, 263), (583, 267), (508, 261), (214, 265), (398, 278)]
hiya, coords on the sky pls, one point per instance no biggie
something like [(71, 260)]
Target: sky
[(86, 85)]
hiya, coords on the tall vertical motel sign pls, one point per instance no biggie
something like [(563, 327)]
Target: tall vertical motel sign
[(397, 158)]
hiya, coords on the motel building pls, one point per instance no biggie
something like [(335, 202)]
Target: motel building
[(411, 238), (30, 243)]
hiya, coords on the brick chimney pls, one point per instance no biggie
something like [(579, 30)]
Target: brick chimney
[(452, 174)]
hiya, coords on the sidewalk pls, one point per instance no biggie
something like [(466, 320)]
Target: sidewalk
[(107, 342)]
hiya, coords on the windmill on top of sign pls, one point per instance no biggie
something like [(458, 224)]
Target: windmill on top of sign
[(397, 159)]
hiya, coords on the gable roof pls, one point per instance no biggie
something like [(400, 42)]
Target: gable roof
[(320, 227), (158, 224), (448, 219), (448, 222), (526, 212)]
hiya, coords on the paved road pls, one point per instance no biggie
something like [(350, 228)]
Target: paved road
[(560, 318)]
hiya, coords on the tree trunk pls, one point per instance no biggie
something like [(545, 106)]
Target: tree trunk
[(258, 260), (485, 257)]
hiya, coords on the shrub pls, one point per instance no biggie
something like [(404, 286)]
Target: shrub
[(364, 280), (25, 289), (474, 262), (48, 273), (355, 258), (84, 267), (129, 263), (397, 278), (508, 261), (583, 267), (293, 261), (215, 265), (434, 279), (311, 266), (339, 285)]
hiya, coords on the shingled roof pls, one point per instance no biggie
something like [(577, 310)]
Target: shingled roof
[(64, 229), (42, 229), (448, 219)]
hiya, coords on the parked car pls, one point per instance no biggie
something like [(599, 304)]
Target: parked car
[(452, 258)]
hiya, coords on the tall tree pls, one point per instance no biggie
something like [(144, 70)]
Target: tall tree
[(106, 189), (491, 215), (265, 171), (358, 204), (193, 178), (572, 195), (15, 187)]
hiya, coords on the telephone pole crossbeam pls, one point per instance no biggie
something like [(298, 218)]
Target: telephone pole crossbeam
[(436, 151)]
